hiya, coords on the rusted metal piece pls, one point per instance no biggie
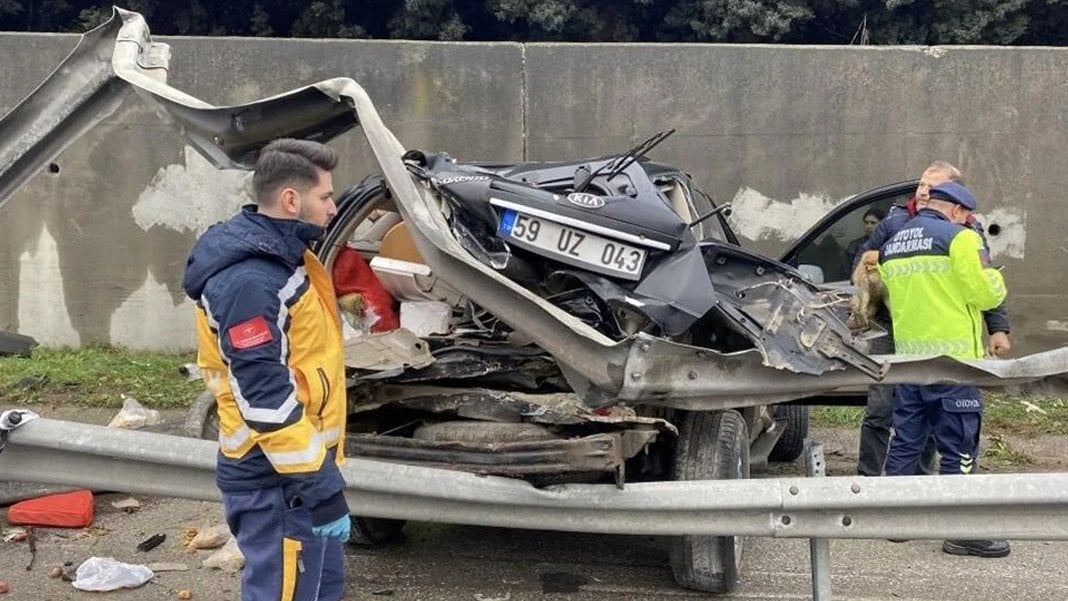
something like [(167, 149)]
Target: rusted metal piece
[(31, 539), (508, 406), (387, 351), (596, 453)]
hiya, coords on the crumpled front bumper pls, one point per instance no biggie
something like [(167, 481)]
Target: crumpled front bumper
[(594, 453)]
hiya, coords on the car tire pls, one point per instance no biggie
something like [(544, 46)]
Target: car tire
[(710, 446), (792, 442), (375, 532), (482, 432), (202, 421)]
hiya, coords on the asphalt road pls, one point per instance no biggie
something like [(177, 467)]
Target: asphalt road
[(483, 564)]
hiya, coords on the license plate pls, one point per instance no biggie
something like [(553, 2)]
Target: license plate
[(573, 246)]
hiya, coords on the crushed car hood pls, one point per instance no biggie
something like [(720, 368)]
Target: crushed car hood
[(119, 56)]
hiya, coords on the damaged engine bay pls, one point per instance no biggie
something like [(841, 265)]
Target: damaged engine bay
[(617, 243)]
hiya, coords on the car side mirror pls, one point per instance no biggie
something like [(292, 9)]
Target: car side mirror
[(813, 273)]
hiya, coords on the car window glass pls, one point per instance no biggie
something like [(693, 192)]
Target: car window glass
[(834, 249)]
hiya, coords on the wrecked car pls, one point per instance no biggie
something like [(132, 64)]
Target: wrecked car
[(575, 321)]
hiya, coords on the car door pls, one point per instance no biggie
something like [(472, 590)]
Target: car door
[(824, 252)]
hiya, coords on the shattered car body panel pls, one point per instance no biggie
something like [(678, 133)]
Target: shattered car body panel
[(798, 346)]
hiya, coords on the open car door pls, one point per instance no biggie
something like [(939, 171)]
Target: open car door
[(824, 252)]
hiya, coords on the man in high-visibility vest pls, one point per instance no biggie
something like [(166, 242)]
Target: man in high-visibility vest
[(939, 279)]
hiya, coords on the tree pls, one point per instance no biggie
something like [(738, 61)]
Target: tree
[(794, 21), (734, 20)]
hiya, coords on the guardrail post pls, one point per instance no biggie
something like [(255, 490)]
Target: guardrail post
[(819, 548)]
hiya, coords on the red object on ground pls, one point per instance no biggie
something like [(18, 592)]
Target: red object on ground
[(65, 510), (352, 275)]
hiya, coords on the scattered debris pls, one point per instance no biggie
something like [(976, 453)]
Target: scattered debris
[(425, 318), (70, 572), (129, 505), (107, 574), (94, 531), (167, 567), (32, 538), (1030, 407), (65, 510), (134, 415), (384, 592), (210, 538), (151, 542), (56, 572), (31, 383), (185, 594), (189, 534), (15, 535), (229, 558), (481, 597), (5, 588), (191, 371)]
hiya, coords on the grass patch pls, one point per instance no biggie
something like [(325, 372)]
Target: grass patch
[(97, 376), (1005, 413), (836, 416), (999, 450), (1024, 414)]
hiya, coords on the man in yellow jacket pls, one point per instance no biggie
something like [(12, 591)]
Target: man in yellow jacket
[(270, 349), (939, 279)]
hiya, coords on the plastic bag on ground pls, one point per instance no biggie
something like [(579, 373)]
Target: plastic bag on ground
[(134, 415), (107, 574), (228, 559)]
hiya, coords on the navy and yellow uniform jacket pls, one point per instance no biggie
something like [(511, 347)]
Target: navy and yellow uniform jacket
[(997, 319), (270, 349), (939, 280)]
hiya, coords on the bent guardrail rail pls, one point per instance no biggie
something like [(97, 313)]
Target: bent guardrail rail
[(1014, 506)]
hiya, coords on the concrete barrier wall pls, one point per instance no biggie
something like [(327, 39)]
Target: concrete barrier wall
[(95, 252)]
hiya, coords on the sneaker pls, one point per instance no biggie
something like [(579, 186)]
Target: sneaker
[(978, 548)]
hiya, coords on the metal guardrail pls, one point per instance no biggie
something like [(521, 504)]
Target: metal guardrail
[(1016, 506)]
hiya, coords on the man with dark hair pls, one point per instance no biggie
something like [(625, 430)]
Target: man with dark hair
[(270, 349), (938, 277), (871, 220)]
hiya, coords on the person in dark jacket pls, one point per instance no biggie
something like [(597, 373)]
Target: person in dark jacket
[(872, 218), (875, 428), (270, 349), (939, 278)]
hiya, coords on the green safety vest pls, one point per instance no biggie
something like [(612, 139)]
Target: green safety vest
[(939, 280)]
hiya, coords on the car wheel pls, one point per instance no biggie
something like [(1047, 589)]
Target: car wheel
[(792, 442), (375, 532), (203, 420), (482, 432), (710, 446)]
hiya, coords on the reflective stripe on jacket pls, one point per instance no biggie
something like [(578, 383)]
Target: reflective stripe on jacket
[(271, 350), (938, 278)]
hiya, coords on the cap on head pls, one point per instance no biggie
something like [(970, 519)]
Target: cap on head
[(954, 192)]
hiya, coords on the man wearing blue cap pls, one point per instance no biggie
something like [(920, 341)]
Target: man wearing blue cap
[(876, 427), (939, 279)]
